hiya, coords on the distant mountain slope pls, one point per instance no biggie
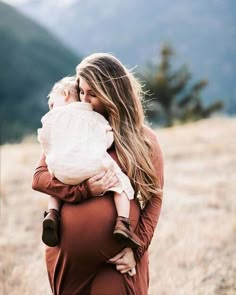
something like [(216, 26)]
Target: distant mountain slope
[(202, 32), (31, 60)]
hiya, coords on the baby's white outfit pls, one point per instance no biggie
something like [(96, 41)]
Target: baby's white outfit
[(75, 140)]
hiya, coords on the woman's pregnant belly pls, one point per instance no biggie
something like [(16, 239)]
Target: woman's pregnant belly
[(86, 229), (86, 242)]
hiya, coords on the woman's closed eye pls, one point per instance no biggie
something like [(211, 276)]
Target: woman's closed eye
[(90, 93)]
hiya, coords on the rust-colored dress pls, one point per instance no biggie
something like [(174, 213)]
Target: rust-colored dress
[(77, 266)]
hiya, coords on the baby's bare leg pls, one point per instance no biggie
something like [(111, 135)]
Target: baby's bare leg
[(123, 209), (54, 203), (122, 204)]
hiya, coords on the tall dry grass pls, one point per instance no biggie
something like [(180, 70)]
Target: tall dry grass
[(193, 249)]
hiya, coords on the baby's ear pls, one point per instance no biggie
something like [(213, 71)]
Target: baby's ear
[(66, 95)]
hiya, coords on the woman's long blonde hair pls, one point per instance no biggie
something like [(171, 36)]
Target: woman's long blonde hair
[(121, 94)]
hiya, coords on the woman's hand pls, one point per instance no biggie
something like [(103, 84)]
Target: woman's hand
[(102, 182), (124, 261)]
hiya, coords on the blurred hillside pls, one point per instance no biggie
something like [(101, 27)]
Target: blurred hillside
[(31, 60), (193, 249), (202, 32)]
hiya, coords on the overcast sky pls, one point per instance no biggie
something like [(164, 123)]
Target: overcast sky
[(60, 2), (14, 1)]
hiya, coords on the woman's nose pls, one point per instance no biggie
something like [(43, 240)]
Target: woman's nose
[(86, 98)]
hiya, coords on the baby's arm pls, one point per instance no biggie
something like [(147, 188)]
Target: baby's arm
[(110, 136), (44, 133), (104, 124)]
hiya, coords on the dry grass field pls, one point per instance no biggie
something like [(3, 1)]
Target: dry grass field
[(193, 251)]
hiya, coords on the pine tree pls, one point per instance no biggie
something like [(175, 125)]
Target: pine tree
[(170, 91)]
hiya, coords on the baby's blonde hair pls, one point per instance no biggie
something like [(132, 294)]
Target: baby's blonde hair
[(65, 84)]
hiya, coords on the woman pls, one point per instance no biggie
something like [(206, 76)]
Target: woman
[(89, 260)]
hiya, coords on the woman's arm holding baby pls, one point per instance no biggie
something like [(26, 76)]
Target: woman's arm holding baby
[(45, 183), (94, 186)]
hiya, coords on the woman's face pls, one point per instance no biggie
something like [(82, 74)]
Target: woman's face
[(86, 94)]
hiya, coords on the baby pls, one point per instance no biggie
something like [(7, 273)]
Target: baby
[(75, 139)]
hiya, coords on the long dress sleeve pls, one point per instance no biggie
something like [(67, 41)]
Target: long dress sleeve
[(45, 183), (150, 214)]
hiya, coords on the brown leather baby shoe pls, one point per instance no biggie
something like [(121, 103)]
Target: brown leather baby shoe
[(50, 235), (123, 231)]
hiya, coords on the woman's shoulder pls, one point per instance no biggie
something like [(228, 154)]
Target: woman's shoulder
[(149, 132), (152, 136), (156, 151)]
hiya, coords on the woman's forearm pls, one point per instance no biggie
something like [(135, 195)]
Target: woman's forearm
[(147, 224), (43, 182)]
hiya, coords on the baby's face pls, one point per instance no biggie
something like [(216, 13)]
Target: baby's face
[(57, 99)]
